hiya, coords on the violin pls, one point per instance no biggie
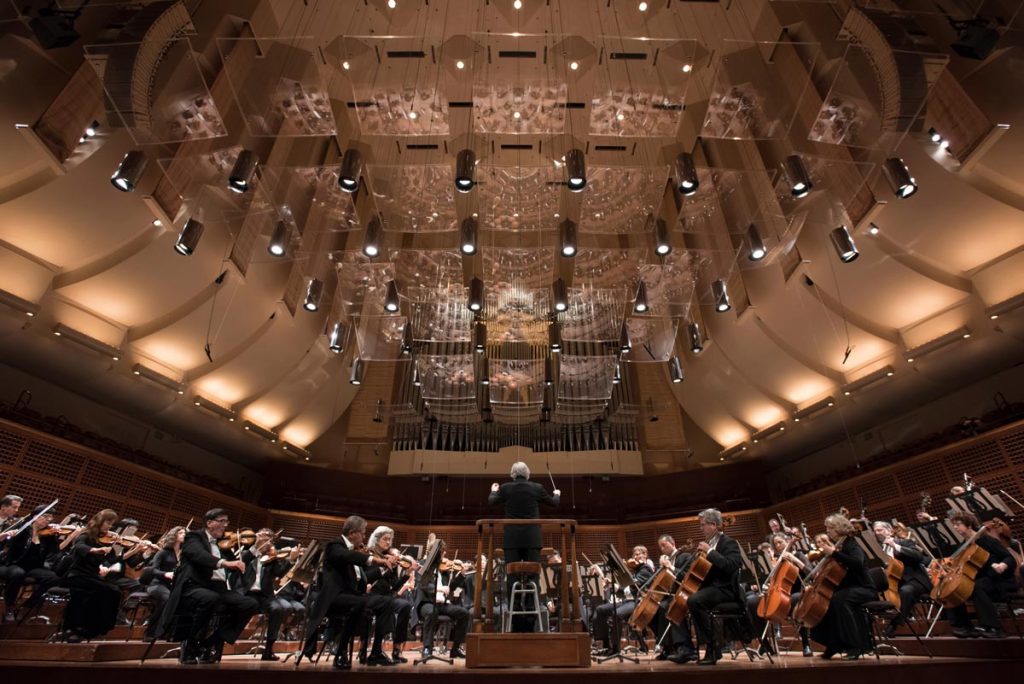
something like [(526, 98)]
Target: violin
[(232, 539), (275, 553), (55, 530), (449, 565)]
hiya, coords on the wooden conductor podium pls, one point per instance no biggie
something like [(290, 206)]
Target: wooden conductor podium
[(487, 647)]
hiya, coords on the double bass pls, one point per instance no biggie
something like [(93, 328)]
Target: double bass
[(819, 587), (775, 600), (959, 572), (699, 568)]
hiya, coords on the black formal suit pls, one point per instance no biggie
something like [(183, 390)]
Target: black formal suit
[(263, 589), (604, 622), (199, 593), (915, 582), (429, 609), (28, 560), (677, 637), (721, 585), (989, 586)]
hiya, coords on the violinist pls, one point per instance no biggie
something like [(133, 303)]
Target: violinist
[(92, 609), (915, 581), (776, 552), (124, 555), (263, 566), (28, 558), (844, 627), (161, 574), (643, 570), (200, 590), (388, 585), (676, 645), (722, 583), (9, 507), (993, 583), (431, 601), (344, 577)]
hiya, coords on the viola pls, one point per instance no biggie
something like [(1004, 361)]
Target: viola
[(658, 587), (819, 587), (699, 568), (776, 600)]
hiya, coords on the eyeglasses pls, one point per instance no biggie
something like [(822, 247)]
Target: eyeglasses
[(222, 520)]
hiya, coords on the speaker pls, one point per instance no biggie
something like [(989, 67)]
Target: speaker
[(975, 42)]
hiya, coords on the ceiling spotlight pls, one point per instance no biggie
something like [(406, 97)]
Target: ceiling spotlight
[(243, 171), (480, 337), (416, 381), (844, 245), (407, 338), (350, 169), (485, 373), (260, 431), (391, 302), (90, 130), (898, 175), (278, 240), (662, 240), (371, 241), (213, 407), (549, 371), (696, 337), (873, 229), (574, 65), (560, 295), (1005, 306), (755, 244), (769, 432), (392, 4), (465, 164), (188, 238), (413, 115), (675, 369), (468, 235), (314, 291), (796, 173), (687, 181), (958, 335), (87, 341), (687, 68), (358, 370), (934, 135), (567, 237), (12, 300), (158, 378), (476, 295), (721, 294), (517, 4), (617, 376), (869, 379), (345, 65), (576, 170), (555, 337), (129, 171), (814, 409), (336, 337), (642, 7), (460, 64), (640, 303), (625, 344)]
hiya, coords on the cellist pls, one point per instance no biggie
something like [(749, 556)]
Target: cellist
[(803, 565), (993, 582), (915, 581), (844, 627), (676, 644), (643, 571)]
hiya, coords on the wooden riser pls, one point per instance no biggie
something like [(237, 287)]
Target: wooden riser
[(558, 649)]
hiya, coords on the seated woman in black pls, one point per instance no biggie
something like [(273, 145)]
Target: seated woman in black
[(845, 629), (92, 610), (161, 574)]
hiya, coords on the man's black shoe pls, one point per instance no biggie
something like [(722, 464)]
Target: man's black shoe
[(991, 633), (807, 651), (682, 656), (710, 658), (362, 656), (396, 655), (380, 659), (426, 653), (964, 633), (187, 654), (341, 662), (269, 655), (766, 649), (457, 652)]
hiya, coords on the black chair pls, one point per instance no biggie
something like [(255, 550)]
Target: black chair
[(1008, 608), (136, 601), (880, 614), (736, 615)]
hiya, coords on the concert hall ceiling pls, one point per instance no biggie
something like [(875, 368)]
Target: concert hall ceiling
[(750, 228)]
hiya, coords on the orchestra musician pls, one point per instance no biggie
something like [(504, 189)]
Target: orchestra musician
[(9, 507), (643, 570), (389, 584), (676, 644), (263, 567), (915, 581), (844, 629), (200, 590), (94, 602), (803, 565), (28, 557), (347, 570), (432, 600), (722, 583), (161, 575), (521, 499), (993, 582)]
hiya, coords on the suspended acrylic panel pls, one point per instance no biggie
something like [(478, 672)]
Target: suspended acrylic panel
[(877, 95), (515, 314), (398, 84), (461, 412), (653, 339), (671, 284), (585, 378), (594, 317), (640, 86), (443, 317), (361, 283), (157, 91), (449, 377), (757, 89), (427, 274), (835, 178), (516, 381), (608, 268), (278, 86), (516, 415), (415, 198), (379, 337), (619, 199), (516, 88), (526, 268), (518, 198), (189, 174)]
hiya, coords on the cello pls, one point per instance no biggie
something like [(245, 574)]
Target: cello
[(956, 578), (699, 568), (659, 586), (819, 587), (775, 600)]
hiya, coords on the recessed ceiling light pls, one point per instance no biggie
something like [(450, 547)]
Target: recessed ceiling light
[(412, 115), (392, 4), (518, 4), (873, 229), (157, 222), (345, 65), (516, 115), (687, 68), (574, 65), (460, 64), (620, 116), (642, 7)]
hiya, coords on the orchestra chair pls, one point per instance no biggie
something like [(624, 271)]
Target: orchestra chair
[(443, 633), (259, 634), (136, 601), (55, 596), (881, 613), (1009, 608), (735, 614), (524, 589), (336, 627), (180, 619)]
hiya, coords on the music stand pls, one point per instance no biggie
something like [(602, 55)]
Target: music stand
[(428, 569), (624, 578), (981, 503), (868, 543), (937, 536)]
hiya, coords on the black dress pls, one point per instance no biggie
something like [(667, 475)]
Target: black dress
[(845, 627), (92, 609)]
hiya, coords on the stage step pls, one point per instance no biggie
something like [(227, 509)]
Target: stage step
[(554, 649)]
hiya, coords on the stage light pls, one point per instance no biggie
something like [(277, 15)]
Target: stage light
[(952, 337), (662, 240), (721, 294), (15, 302), (642, 7), (278, 244), (372, 239), (517, 4), (625, 344), (468, 230), (696, 337), (576, 170), (814, 409), (868, 380), (314, 290), (800, 184), (549, 371), (560, 295), (1005, 306), (416, 381), (391, 300), (574, 65), (260, 431), (297, 450), (567, 237), (86, 341), (157, 378), (732, 451), (555, 337), (129, 172), (640, 304), (336, 337), (687, 68), (480, 337), (392, 4), (873, 229), (617, 376), (408, 341), (687, 180), (476, 295), (769, 432), (188, 238), (755, 245), (350, 170), (485, 377), (465, 165), (358, 369), (935, 136), (90, 130), (675, 370), (243, 171), (898, 175), (213, 407), (460, 64), (844, 245)]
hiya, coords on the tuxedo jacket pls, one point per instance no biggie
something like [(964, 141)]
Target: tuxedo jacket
[(522, 499)]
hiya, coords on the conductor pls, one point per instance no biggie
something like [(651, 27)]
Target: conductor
[(522, 499)]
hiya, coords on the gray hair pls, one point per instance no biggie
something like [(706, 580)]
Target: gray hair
[(520, 469), (353, 523), (378, 533), (711, 515), (885, 526)]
